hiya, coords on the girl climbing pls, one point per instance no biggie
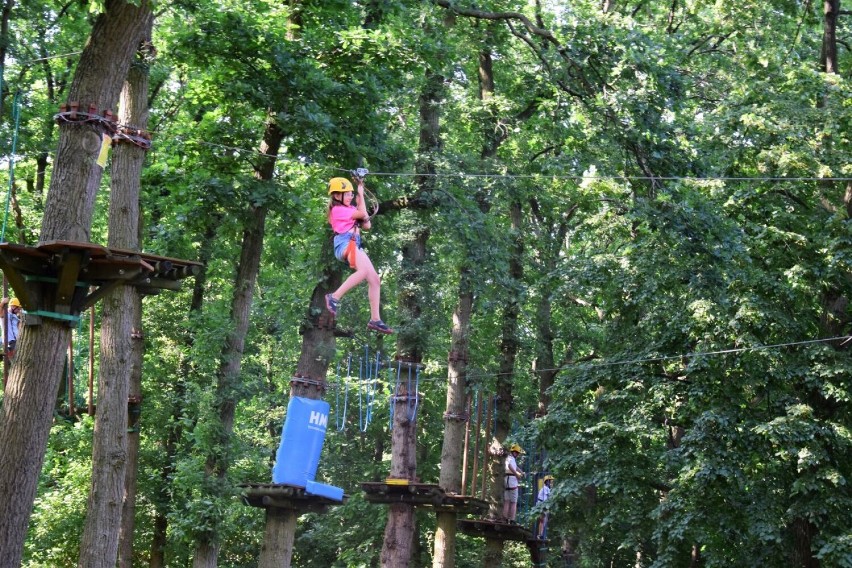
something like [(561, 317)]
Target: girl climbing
[(346, 221)]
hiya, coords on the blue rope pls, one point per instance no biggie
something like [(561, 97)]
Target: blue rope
[(361, 425), (412, 406), (365, 415), (395, 392), (340, 418), (16, 113)]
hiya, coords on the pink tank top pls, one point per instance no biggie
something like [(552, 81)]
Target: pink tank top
[(340, 218)]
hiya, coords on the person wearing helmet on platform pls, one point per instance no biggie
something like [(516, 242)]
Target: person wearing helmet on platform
[(510, 485), (347, 215), (13, 325), (543, 495)]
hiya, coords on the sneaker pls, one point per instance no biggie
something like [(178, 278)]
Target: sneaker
[(379, 325), (332, 303)]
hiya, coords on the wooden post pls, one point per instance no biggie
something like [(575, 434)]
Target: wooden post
[(466, 444), (488, 414), (476, 442)]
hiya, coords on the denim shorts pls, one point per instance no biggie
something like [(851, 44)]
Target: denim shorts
[(341, 241)]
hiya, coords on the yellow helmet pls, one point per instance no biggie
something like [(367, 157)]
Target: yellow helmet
[(339, 185), (15, 303), (548, 478), (516, 448)]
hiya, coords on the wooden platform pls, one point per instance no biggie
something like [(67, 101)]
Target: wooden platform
[(425, 495), (281, 496), (59, 279), (499, 530)]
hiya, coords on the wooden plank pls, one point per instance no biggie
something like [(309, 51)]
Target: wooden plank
[(161, 283), (22, 260), (154, 257), (59, 246), (69, 269), (111, 268), (19, 285), (495, 530), (23, 249)]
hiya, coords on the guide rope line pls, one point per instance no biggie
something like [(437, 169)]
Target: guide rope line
[(575, 177)]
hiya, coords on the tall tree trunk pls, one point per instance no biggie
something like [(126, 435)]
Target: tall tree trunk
[(207, 548), (4, 47), (830, 10), (545, 362), (318, 345), (28, 404), (127, 217), (455, 420), (398, 545), (121, 355), (397, 548), (508, 353)]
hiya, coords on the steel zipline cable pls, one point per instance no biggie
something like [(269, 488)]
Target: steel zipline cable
[(579, 178), (584, 366)]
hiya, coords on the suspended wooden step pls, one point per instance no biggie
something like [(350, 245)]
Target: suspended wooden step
[(282, 496), (60, 279), (426, 495), (498, 530)]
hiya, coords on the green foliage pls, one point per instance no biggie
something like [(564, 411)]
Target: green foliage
[(60, 509), (671, 278)]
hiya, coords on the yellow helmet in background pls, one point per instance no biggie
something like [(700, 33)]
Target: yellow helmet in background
[(516, 448), (15, 303), (548, 478), (339, 185)]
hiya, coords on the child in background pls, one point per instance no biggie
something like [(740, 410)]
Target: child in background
[(510, 488), (12, 310), (346, 221)]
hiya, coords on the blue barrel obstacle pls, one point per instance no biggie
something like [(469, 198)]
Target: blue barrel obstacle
[(298, 454)]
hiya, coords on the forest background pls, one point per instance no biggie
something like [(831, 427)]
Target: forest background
[(646, 203)]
